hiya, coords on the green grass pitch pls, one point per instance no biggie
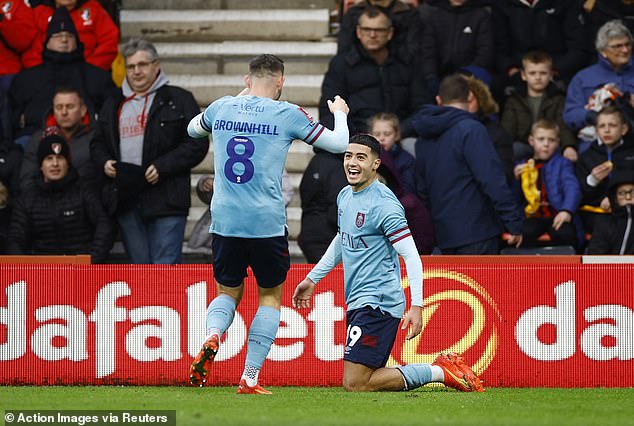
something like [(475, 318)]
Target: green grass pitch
[(293, 406)]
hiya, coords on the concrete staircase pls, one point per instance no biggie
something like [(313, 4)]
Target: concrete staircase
[(205, 46)]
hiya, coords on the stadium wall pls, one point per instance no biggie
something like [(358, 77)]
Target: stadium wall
[(555, 323)]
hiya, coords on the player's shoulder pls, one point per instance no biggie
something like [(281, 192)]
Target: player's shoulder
[(389, 201), (344, 194)]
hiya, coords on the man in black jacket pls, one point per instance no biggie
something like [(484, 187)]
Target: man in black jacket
[(373, 77), (142, 146), (61, 215), (32, 90)]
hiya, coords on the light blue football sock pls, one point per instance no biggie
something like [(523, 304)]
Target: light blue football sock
[(416, 375), (261, 335), (220, 314)]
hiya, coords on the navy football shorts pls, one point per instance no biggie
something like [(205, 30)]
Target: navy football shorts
[(370, 336), (268, 258)]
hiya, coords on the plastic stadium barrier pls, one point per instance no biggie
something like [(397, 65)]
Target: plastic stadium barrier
[(556, 323)]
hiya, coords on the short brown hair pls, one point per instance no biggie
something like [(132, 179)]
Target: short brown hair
[(266, 64), (612, 109), (546, 124), (537, 57), (454, 88)]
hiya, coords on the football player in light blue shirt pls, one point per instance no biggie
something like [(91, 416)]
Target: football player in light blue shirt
[(372, 233), (252, 133)]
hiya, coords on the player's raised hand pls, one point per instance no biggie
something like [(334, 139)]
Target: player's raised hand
[(303, 294), (414, 319), (338, 104)]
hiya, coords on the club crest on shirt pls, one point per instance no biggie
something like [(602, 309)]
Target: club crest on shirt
[(86, 16), (6, 9), (360, 219)]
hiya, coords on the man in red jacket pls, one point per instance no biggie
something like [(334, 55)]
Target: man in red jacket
[(96, 30), (17, 31)]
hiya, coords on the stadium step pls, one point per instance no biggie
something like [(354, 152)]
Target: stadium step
[(209, 25), (300, 89), (231, 57), (229, 4)]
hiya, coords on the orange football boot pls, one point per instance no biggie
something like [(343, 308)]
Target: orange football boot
[(245, 389), (457, 374), (199, 369), (473, 380)]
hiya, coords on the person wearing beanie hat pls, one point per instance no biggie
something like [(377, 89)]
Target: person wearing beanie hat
[(54, 145), (61, 215), (61, 30), (94, 28)]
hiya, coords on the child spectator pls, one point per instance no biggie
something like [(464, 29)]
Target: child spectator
[(612, 150), (614, 233), (96, 30), (550, 189), (537, 98), (385, 127)]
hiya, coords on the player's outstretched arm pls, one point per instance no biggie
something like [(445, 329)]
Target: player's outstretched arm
[(336, 140), (195, 129), (330, 259)]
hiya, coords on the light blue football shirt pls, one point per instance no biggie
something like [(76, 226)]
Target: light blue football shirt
[(370, 221), (251, 138)]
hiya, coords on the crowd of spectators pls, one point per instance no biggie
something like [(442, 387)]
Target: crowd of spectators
[(484, 109)]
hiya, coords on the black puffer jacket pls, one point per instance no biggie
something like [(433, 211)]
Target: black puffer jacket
[(31, 92), (369, 89), (614, 233), (556, 26), (10, 159), (455, 37), (63, 217), (166, 145)]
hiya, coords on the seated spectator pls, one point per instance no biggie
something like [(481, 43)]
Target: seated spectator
[(457, 34), (16, 34), (32, 90), (482, 104), (385, 127), (549, 189), (614, 47), (538, 97), (321, 182), (61, 216), (68, 118), (613, 150), (95, 31), (200, 236), (405, 19), (555, 26), (373, 78), (598, 12), (10, 158), (613, 233), (143, 148)]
